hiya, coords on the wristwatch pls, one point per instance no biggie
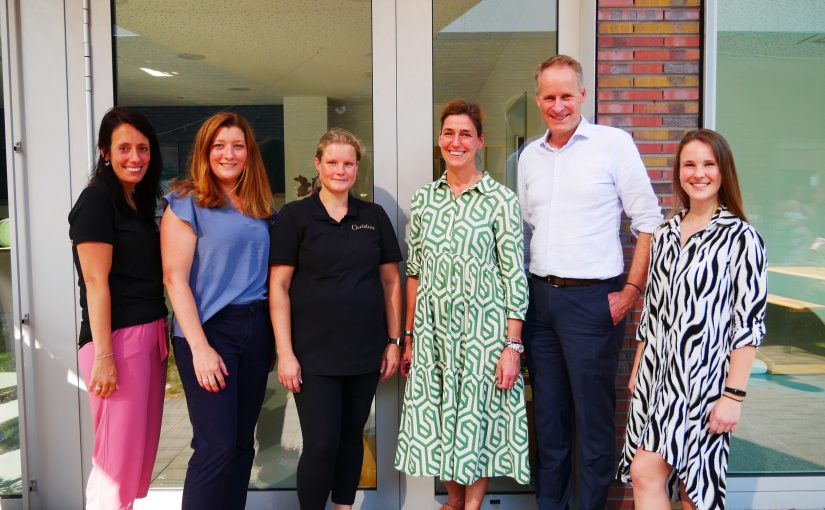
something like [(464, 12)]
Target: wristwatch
[(394, 341), (519, 348)]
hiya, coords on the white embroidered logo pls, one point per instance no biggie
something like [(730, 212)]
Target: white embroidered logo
[(364, 226)]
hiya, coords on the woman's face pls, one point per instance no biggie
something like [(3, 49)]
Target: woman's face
[(227, 156), (129, 155), (699, 174), (337, 168), (459, 141)]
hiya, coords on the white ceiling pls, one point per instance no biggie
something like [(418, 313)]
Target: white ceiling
[(272, 48)]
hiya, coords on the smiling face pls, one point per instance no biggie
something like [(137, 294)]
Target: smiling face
[(227, 156), (129, 155), (459, 141), (559, 97), (337, 168), (699, 174)]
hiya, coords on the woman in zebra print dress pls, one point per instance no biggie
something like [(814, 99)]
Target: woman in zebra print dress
[(702, 320)]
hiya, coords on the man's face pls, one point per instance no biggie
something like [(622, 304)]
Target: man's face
[(560, 99)]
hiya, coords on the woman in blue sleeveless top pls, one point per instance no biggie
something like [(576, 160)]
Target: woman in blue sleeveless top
[(215, 245)]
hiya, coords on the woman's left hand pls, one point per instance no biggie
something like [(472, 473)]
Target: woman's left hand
[(724, 416), (508, 368), (389, 361)]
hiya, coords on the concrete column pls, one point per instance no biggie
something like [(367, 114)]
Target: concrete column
[(305, 120)]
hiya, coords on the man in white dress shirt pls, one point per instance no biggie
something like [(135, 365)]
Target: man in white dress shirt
[(573, 185)]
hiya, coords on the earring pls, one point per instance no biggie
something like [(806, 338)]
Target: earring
[(106, 162)]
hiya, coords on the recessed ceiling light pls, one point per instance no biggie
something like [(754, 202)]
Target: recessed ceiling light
[(153, 72), (191, 56), (239, 89)]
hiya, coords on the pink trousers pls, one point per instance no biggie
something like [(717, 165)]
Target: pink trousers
[(127, 423)]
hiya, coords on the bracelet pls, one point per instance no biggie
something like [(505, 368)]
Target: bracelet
[(408, 333), (104, 356), (394, 341), (634, 286), (736, 391), (515, 346), (736, 399), (513, 339)]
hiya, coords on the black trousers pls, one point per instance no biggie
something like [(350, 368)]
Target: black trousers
[(223, 423), (332, 411), (572, 354)]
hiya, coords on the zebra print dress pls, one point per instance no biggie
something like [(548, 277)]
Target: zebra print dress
[(701, 302)]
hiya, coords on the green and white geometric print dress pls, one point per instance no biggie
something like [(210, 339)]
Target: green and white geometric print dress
[(467, 253)]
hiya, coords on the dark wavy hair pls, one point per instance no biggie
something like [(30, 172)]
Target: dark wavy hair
[(147, 191)]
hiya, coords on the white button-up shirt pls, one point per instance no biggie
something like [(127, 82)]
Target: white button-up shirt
[(572, 200)]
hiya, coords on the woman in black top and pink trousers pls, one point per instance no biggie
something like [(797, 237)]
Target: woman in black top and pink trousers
[(122, 356)]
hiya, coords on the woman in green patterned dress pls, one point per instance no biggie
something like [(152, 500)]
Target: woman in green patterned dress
[(464, 417)]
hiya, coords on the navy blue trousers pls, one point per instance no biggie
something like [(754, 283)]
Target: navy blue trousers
[(572, 353), (223, 423)]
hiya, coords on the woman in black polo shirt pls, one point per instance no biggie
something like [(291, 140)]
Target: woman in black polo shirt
[(335, 298), (122, 356)]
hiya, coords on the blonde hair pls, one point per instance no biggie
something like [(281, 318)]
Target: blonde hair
[(253, 185), (338, 135)]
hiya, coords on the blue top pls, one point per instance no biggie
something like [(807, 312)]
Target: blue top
[(230, 262)]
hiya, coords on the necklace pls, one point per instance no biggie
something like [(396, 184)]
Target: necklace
[(466, 186)]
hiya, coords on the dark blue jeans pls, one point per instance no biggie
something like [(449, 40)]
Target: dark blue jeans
[(223, 423), (572, 353)]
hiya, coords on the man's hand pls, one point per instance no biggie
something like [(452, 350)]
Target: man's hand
[(621, 302)]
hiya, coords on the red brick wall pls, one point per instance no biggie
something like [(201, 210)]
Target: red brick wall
[(648, 83)]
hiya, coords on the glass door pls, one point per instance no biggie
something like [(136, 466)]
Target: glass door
[(486, 52), (293, 70), (11, 394)]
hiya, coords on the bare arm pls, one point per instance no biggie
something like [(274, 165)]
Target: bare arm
[(289, 369), (622, 301), (409, 321), (726, 412), (95, 264), (631, 383), (391, 283), (177, 247)]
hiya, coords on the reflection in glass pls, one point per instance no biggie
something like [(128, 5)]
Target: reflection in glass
[(780, 153), (11, 480), (293, 70), (485, 51)]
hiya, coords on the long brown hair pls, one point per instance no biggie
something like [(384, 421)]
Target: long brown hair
[(253, 185), (729, 194)]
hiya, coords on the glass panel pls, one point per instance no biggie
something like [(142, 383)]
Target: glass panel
[(11, 480), (771, 64), (294, 70), (485, 51)]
